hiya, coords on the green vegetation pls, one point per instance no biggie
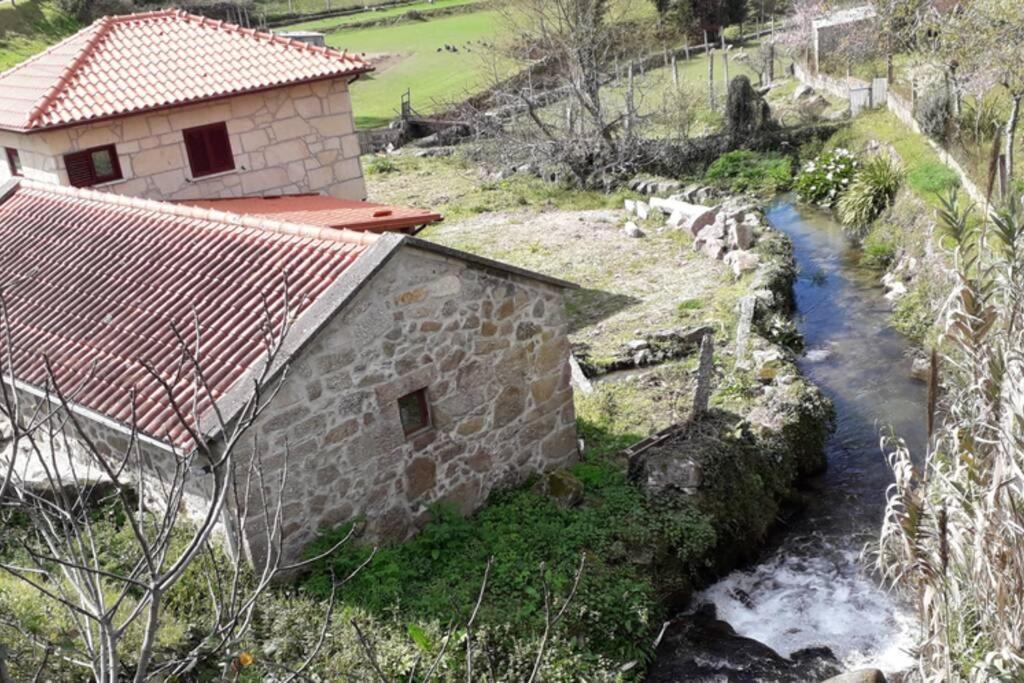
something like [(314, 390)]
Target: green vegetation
[(437, 574), (29, 28), (824, 180), (872, 191), (411, 56), (925, 173), (413, 11), (283, 8), (746, 171)]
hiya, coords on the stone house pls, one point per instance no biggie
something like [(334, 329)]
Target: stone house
[(411, 373), (168, 105)]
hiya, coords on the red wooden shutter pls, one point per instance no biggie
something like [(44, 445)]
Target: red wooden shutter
[(208, 149), (79, 168)]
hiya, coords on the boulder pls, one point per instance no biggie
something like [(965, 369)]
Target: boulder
[(643, 210), (861, 676), (921, 368), (803, 91), (692, 217), (715, 231), (769, 364), (742, 261), (741, 235), (562, 487), (631, 229), (713, 248), (637, 344), (629, 205), (813, 107)]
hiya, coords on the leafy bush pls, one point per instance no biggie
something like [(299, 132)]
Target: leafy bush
[(872, 191), (380, 165), (824, 180), (746, 171), (935, 113), (877, 252), (436, 575)]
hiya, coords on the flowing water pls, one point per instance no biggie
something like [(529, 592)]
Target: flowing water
[(812, 589)]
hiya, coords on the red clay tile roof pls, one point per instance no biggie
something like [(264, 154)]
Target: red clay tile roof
[(94, 282), (323, 210), (137, 62)]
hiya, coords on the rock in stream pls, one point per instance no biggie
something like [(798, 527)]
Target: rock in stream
[(699, 648)]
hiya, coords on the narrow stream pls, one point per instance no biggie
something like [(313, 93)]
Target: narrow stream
[(812, 589)]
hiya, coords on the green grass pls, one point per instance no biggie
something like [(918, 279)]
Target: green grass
[(276, 8), (435, 79), (329, 24), (29, 28)]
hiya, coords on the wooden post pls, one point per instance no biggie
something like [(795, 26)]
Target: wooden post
[(675, 72), (686, 49), (771, 63), (725, 72), (664, 51), (629, 99), (707, 46)]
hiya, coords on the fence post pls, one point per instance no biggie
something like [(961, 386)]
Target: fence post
[(711, 78), (686, 49), (705, 371), (725, 71), (675, 72)]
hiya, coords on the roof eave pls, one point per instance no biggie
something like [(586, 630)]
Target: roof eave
[(349, 76)]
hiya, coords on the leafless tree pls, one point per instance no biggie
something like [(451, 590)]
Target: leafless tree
[(578, 103), (117, 605)]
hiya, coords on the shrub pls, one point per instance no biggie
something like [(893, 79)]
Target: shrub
[(872, 191), (824, 180), (380, 165), (746, 171), (935, 113)]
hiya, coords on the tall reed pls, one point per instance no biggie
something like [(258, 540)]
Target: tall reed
[(953, 533)]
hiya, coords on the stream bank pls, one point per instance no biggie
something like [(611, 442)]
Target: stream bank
[(810, 591)]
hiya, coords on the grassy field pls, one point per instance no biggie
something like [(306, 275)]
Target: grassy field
[(414, 58), (329, 24), (29, 28)]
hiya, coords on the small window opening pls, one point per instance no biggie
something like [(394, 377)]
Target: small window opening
[(13, 161), (413, 410)]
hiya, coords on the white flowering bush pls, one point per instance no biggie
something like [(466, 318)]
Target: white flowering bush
[(824, 180)]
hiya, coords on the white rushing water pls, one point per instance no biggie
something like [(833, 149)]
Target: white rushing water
[(791, 602)]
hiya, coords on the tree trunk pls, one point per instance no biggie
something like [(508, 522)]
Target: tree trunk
[(1011, 134)]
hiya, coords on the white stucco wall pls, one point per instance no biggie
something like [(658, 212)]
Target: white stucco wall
[(296, 139)]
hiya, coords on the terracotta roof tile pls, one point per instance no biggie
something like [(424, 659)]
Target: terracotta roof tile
[(324, 210), (96, 283), (133, 63)]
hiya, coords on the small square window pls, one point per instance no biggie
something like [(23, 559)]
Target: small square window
[(413, 410), (208, 149), (93, 166), (13, 161)]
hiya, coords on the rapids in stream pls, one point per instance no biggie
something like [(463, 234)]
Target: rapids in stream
[(812, 588)]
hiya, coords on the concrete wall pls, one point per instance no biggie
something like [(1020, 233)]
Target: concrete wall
[(296, 139), (492, 352)]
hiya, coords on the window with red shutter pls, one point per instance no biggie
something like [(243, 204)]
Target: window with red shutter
[(208, 149), (13, 161), (93, 166)]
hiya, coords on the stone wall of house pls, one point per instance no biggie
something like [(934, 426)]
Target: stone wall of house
[(492, 352), (285, 140)]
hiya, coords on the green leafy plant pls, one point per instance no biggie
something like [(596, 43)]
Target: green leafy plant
[(746, 171), (380, 165), (824, 180), (872, 191)]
